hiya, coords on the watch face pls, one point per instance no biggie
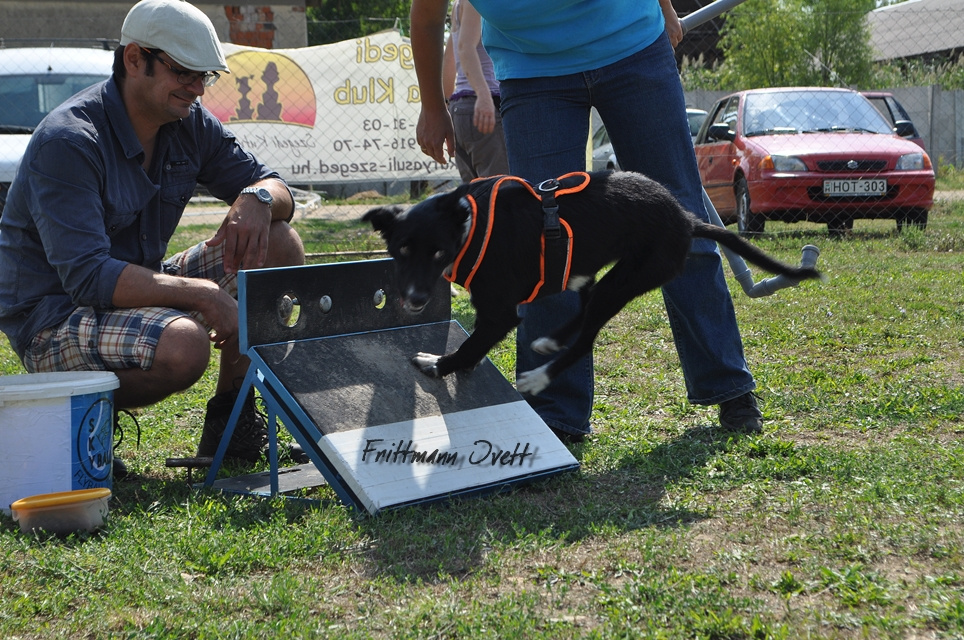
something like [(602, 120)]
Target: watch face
[(260, 193)]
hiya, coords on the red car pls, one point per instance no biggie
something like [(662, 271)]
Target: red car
[(816, 154)]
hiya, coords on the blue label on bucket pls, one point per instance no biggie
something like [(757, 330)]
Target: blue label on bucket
[(92, 419)]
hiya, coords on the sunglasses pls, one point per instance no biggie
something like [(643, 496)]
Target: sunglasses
[(185, 76)]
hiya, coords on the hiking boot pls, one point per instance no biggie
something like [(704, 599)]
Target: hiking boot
[(119, 470), (741, 415), (250, 438), (568, 437), (297, 454)]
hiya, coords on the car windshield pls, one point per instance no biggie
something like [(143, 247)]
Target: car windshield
[(785, 112), (26, 99)]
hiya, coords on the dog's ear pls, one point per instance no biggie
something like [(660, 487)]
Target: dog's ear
[(452, 206), (383, 219)]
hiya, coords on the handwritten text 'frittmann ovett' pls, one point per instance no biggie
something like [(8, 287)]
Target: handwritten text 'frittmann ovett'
[(404, 452)]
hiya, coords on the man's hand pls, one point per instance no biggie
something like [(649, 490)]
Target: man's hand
[(244, 233), (221, 314), (140, 287), (245, 229)]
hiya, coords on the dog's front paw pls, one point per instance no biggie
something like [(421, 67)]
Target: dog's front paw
[(533, 382), (427, 363), (546, 346)]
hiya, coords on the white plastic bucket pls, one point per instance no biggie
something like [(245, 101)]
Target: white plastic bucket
[(56, 431)]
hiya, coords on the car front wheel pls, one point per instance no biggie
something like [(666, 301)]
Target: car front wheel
[(912, 218), (840, 226), (747, 223)]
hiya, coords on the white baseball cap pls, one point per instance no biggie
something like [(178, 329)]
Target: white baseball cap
[(177, 28)]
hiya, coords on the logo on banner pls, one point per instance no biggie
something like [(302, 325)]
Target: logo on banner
[(263, 87)]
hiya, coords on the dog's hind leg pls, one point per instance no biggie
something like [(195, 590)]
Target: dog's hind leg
[(624, 282)]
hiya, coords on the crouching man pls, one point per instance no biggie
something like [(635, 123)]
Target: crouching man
[(85, 283)]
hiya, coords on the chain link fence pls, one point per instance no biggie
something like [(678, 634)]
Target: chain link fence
[(328, 31), (338, 119)]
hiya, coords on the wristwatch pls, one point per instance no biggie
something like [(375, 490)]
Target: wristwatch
[(260, 193)]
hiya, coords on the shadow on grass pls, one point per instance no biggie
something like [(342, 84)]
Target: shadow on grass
[(456, 538)]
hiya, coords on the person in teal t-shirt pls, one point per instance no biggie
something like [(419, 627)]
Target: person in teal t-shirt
[(555, 62)]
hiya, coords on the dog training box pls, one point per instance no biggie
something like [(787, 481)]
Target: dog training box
[(56, 430), (330, 350)]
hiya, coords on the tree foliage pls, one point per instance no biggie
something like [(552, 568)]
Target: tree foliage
[(337, 20), (769, 43), (838, 40), (762, 44)]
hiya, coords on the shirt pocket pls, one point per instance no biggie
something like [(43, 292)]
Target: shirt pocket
[(178, 182), (116, 220)]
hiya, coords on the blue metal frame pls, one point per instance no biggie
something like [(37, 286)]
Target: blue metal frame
[(281, 405)]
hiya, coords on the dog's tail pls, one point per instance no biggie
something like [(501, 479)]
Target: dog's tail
[(752, 253)]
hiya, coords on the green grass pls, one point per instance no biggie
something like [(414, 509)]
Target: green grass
[(950, 177), (844, 519)]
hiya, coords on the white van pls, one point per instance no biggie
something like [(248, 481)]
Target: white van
[(32, 82)]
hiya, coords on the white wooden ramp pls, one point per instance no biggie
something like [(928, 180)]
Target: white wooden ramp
[(330, 352)]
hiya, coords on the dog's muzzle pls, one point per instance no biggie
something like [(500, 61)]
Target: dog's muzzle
[(414, 302)]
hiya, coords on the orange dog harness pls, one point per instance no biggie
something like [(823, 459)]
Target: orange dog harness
[(556, 241)]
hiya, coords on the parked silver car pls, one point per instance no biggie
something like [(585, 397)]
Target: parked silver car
[(33, 81), (603, 157)]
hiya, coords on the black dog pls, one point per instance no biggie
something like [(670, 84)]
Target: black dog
[(490, 236)]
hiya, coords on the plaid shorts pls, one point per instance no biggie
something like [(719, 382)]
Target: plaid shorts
[(106, 340)]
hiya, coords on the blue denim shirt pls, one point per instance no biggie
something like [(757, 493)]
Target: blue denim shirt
[(82, 207)]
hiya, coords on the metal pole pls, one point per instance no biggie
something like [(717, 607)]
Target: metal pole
[(710, 11), (740, 271)]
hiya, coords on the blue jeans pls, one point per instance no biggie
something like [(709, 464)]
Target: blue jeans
[(641, 102)]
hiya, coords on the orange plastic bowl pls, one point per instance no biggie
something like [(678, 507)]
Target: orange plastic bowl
[(63, 512)]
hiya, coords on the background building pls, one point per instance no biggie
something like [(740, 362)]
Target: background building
[(932, 30), (276, 25)]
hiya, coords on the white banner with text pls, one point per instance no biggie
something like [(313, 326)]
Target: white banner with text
[(341, 112)]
